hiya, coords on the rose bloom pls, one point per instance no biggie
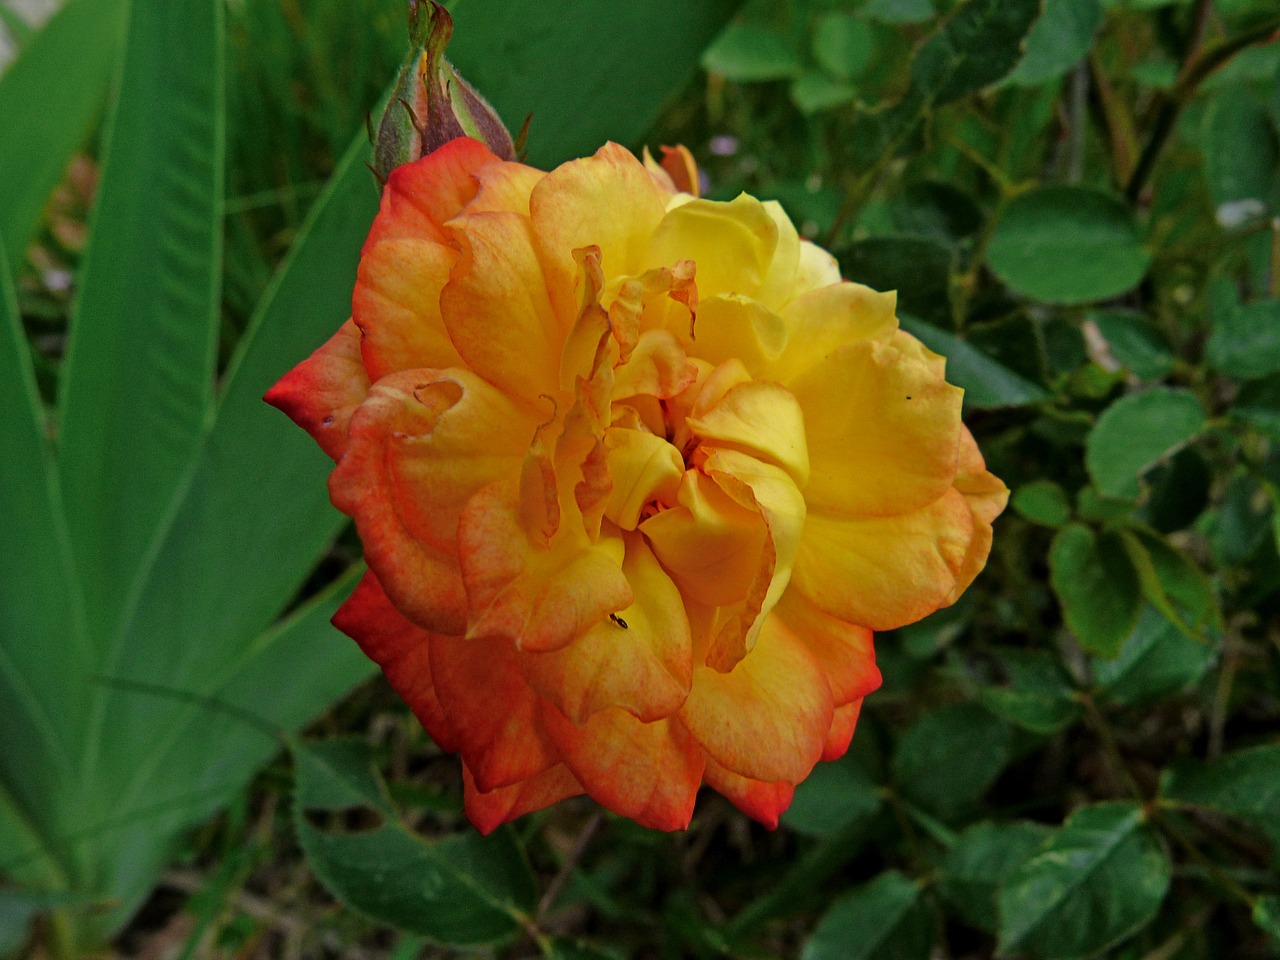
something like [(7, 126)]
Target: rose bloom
[(637, 475)]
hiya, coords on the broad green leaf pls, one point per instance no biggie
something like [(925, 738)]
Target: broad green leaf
[(748, 53), (136, 392), (1038, 697), (833, 796), (1042, 502), (936, 765), (1172, 583), (937, 210), (885, 919), (1242, 520), (1157, 660), (1137, 431), (987, 384), (1100, 878), (815, 92), (1259, 406), (42, 640), (1240, 148), (1068, 245), (1180, 491), (899, 11), (464, 890), (843, 44), (1134, 343), (50, 98), (18, 908), (1058, 41), (924, 638), (918, 268), (1245, 342), (1243, 783), (583, 84), (1096, 586), (979, 861)]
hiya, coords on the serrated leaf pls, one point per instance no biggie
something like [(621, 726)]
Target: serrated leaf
[(1136, 432), (1243, 783), (1068, 245), (464, 890), (884, 919), (979, 860), (987, 383), (1172, 583), (1157, 660), (1039, 697), (1098, 879), (1096, 586), (1058, 41)]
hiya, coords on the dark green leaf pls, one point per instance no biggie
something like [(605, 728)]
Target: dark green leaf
[(1240, 149), (1157, 660), (979, 861), (815, 92), (136, 394), (987, 384), (1243, 519), (745, 52), (1097, 587), (918, 268), (1173, 584), (885, 920), (899, 11), (1043, 502), (50, 99), (1098, 879), (1180, 491), (1266, 914), (926, 637), (833, 796), (843, 44), (1135, 432), (1068, 245), (463, 890), (584, 84), (938, 211), (1039, 696), (1134, 343), (949, 757), (1245, 342), (1259, 406), (1244, 783), (1058, 41)]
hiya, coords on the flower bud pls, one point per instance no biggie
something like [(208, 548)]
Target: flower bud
[(432, 104)]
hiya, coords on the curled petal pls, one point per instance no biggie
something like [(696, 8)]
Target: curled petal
[(402, 649), (758, 799), (885, 572), (816, 268), (825, 319), (883, 428), (488, 811), (420, 197), (732, 243), (768, 718), (844, 650), (762, 419), (678, 171), (495, 713), (840, 735), (498, 276), (734, 327), (321, 393), (644, 468), (640, 659), (987, 497), (649, 772)]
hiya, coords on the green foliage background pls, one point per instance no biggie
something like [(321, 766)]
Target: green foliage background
[(1079, 205)]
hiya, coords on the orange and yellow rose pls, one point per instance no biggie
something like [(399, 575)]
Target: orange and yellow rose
[(637, 475)]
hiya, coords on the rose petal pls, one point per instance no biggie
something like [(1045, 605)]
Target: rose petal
[(825, 319), (762, 419), (884, 572), (768, 718), (649, 772), (488, 811), (840, 735), (322, 392), (883, 428), (494, 712), (987, 497), (640, 660), (759, 800), (402, 649), (733, 244), (843, 650)]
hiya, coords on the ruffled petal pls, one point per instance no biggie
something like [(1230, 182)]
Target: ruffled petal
[(488, 811), (762, 419), (768, 718), (495, 713), (840, 735), (321, 393), (825, 319), (732, 243), (734, 327), (883, 428), (987, 497), (843, 650), (641, 659), (759, 800), (607, 200), (884, 572), (649, 772), (422, 196), (402, 649), (644, 468)]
